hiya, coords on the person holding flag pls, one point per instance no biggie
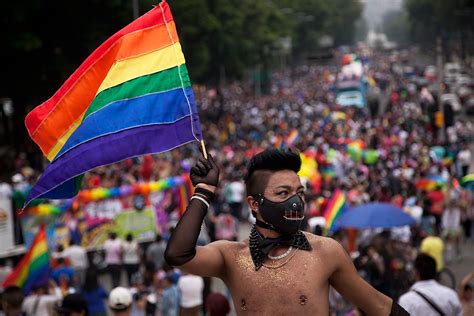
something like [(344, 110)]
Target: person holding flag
[(278, 262)]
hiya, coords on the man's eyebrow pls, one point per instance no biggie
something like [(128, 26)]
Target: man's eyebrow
[(284, 186)]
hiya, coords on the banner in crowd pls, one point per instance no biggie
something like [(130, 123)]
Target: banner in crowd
[(6, 225), (91, 225), (141, 224), (141, 208)]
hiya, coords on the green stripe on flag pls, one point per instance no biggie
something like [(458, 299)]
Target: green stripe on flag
[(39, 261), (161, 81)]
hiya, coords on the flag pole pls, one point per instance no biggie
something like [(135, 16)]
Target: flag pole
[(203, 147)]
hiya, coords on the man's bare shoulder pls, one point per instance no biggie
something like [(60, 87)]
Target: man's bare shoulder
[(227, 246), (324, 245)]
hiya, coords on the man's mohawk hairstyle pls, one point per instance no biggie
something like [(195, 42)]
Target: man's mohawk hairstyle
[(275, 160)]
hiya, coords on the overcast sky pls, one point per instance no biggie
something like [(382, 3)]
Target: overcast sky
[(375, 9)]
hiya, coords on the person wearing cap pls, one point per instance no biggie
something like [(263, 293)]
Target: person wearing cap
[(169, 302), (72, 305), (120, 301)]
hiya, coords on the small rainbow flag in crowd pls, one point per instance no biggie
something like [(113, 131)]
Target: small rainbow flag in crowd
[(185, 192), (336, 206), (279, 142), (43, 210), (131, 96), (292, 137), (426, 184), (33, 268)]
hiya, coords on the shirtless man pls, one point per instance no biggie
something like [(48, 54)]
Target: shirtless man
[(279, 270)]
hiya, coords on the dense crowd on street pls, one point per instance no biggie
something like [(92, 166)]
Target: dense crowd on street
[(418, 167)]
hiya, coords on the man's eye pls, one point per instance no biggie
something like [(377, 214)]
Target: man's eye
[(301, 194), (282, 193)]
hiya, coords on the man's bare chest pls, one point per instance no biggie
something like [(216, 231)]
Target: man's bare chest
[(280, 286)]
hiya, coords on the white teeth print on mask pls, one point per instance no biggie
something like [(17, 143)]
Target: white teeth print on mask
[(285, 217)]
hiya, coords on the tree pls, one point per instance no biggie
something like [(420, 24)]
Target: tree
[(44, 41), (430, 18), (312, 19)]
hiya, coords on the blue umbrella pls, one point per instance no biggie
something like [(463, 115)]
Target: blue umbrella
[(374, 215)]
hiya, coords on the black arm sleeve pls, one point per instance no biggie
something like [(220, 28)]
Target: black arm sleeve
[(181, 247)]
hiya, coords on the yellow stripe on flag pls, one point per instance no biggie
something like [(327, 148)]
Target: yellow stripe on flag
[(131, 68), (39, 249), (61, 141)]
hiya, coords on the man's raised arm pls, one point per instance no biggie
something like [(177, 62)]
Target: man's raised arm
[(181, 249)]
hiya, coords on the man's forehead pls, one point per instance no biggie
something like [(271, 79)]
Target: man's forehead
[(284, 178)]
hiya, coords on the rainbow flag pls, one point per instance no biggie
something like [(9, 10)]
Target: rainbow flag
[(336, 206), (44, 210), (131, 96), (292, 138), (279, 142), (33, 268), (426, 184)]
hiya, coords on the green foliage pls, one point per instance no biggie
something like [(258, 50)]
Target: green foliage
[(311, 19), (230, 35), (429, 18), (43, 42)]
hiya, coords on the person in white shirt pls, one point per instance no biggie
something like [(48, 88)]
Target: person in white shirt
[(235, 194), (427, 297), (190, 287), (131, 257), (79, 261), (113, 258), (464, 159), (451, 224), (42, 300)]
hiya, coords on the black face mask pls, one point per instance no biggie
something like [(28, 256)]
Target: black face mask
[(283, 217)]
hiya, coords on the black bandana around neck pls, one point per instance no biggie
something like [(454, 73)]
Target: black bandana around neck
[(260, 247)]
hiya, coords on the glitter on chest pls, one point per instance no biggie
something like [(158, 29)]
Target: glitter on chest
[(264, 275)]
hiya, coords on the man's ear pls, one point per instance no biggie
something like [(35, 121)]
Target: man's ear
[(253, 204)]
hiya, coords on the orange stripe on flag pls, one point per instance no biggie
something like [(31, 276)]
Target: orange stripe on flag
[(48, 122)]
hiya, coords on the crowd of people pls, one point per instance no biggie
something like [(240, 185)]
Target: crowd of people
[(417, 168), (79, 288)]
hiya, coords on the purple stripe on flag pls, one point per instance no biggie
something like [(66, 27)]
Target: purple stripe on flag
[(112, 148)]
